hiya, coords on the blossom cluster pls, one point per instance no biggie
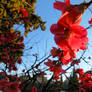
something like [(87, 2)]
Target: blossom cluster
[(55, 67), (85, 79), (9, 83), (11, 48), (68, 35), (13, 83)]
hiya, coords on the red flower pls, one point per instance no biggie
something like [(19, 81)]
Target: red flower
[(67, 54), (86, 77), (12, 87), (55, 52), (82, 89), (3, 84), (21, 85), (55, 67), (23, 70), (71, 13), (70, 18), (65, 62), (49, 63), (37, 66), (86, 84), (2, 73), (19, 61), (12, 47), (34, 89), (90, 21), (62, 6), (15, 68), (66, 38), (9, 86), (24, 13), (80, 71)]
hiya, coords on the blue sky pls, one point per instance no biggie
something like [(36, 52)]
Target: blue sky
[(41, 41)]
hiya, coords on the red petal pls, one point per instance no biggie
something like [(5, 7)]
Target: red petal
[(56, 29), (71, 17), (72, 42), (49, 63), (83, 47), (79, 30), (34, 89), (61, 42), (63, 20), (60, 5), (66, 55), (67, 2)]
